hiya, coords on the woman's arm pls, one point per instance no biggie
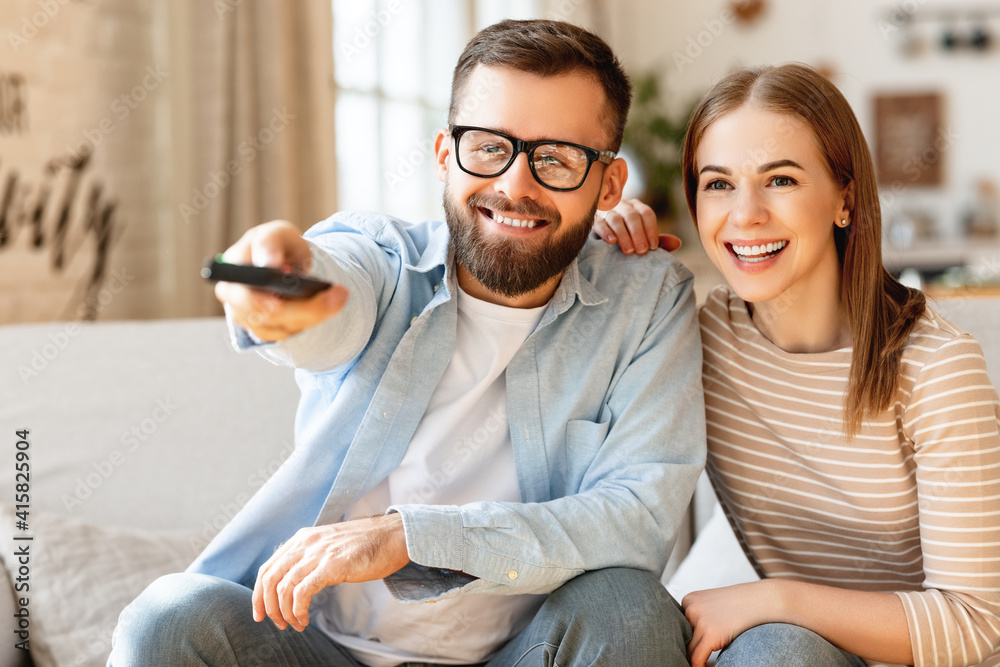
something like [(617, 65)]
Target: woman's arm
[(869, 625)]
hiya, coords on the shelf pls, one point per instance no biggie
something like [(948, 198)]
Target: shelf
[(980, 255)]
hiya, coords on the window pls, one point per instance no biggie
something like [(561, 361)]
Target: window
[(393, 61)]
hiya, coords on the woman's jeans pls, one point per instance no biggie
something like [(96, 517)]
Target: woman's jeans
[(783, 645)]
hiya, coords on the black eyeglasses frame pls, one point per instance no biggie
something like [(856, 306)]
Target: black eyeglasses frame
[(528, 148)]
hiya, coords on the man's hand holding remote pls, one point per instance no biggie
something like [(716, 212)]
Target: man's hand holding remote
[(269, 317)]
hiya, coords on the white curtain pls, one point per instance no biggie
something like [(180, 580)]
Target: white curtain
[(253, 126)]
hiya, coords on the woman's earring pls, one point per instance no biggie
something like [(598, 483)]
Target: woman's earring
[(843, 223)]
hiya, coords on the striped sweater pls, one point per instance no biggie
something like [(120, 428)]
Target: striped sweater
[(910, 506)]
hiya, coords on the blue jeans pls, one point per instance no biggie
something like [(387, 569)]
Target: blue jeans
[(616, 617), (783, 645)]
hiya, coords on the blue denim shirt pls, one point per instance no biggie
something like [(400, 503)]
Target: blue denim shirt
[(604, 402)]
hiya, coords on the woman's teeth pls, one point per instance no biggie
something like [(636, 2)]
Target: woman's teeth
[(757, 253)]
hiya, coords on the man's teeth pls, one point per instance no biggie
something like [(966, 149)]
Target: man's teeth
[(756, 253), (514, 222)]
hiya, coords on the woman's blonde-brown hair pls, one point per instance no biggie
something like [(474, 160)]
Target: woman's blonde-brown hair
[(881, 311)]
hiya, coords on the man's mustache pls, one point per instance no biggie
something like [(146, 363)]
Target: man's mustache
[(524, 207)]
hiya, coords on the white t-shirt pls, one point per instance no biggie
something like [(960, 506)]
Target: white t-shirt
[(460, 453)]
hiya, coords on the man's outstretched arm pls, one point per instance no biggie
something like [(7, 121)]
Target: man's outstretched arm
[(271, 318), (327, 330)]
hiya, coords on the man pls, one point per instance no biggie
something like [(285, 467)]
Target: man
[(497, 416)]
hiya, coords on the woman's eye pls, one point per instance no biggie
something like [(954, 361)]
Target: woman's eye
[(717, 185), (783, 181)]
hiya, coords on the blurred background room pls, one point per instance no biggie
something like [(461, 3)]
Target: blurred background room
[(139, 137)]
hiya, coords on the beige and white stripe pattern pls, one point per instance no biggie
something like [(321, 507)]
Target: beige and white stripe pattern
[(911, 505)]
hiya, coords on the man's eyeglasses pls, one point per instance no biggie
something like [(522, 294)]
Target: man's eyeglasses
[(556, 165)]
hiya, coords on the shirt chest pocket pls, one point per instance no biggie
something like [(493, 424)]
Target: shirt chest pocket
[(584, 438)]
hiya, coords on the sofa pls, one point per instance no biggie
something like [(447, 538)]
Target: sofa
[(143, 439)]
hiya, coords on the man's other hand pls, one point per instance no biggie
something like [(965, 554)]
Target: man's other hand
[(632, 225), (321, 556), (269, 317)]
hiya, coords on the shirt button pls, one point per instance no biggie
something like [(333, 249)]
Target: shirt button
[(385, 415), (512, 574), (412, 320), (436, 288)]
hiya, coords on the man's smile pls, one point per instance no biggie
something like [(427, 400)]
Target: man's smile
[(513, 219)]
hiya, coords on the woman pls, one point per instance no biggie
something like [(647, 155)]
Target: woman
[(853, 432)]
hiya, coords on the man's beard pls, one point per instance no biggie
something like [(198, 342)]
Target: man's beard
[(508, 266)]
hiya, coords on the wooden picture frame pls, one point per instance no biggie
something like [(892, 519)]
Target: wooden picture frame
[(909, 140)]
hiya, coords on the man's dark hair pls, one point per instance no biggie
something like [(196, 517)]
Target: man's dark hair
[(548, 48)]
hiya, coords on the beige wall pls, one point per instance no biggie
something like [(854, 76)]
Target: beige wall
[(92, 84), (169, 128), (693, 47)]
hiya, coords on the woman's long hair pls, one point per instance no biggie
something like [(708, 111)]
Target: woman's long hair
[(881, 311)]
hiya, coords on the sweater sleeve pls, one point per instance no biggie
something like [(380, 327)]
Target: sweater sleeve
[(951, 419)]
